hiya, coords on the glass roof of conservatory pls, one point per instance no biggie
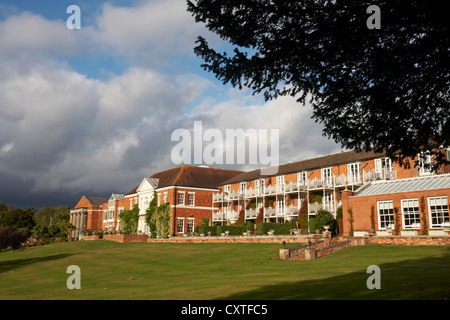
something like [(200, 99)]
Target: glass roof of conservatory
[(431, 182)]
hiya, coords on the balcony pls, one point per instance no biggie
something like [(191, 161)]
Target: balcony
[(232, 216), (250, 193), (233, 195), (269, 190), (270, 212), (383, 174), (291, 211), (224, 216), (251, 213)]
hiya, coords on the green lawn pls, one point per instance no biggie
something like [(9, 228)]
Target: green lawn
[(112, 270)]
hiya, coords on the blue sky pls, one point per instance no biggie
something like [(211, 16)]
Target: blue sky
[(91, 111)]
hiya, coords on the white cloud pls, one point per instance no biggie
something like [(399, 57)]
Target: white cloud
[(61, 131), (151, 33), (34, 36)]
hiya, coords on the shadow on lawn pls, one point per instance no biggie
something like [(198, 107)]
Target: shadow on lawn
[(9, 265), (404, 280)]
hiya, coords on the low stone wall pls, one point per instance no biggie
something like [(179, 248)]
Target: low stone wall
[(92, 237), (126, 238), (328, 246), (241, 239), (333, 248), (409, 241)]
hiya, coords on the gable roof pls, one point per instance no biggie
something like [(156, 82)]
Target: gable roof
[(310, 164), (97, 200), (192, 176)]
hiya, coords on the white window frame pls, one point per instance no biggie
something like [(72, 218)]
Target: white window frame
[(354, 172), (281, 205), (191, 194), (389, 206), (183, 194), (105, 215), (180, 224), (428, 159), (445, 216), (328, 201), (416, 213), (190, 225), (243, 187), (383, 166), (280, 182), (165, 197), (302, 178), (326, 175), (111, 214)]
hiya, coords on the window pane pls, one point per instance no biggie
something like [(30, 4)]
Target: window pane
[(385, 214), (438, 211), (411, 213)]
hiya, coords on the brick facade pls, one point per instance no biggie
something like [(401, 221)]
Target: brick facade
[(361, 213)]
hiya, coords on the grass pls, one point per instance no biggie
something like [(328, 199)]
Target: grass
[(166, 271)]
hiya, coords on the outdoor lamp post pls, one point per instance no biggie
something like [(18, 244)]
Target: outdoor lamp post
[(284, 244)]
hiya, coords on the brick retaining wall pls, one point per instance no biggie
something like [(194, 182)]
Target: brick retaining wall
[(241, 239), (126, 238)]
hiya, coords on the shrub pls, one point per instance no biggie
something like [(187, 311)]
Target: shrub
[(11, 238), (249, 225), (302, 218), (233, 230), (205, 229), (129, 220), (279, 228), (323, 218)]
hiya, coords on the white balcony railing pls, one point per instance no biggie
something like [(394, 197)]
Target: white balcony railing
[(232, 216), (250, 193), (291, 211), (251, 213), (269, 190), (270, 212)]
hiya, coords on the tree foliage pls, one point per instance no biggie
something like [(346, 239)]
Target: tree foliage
[(149, 216), (129, 220), (161, 219), (46, 215), (11, 238), (384, 89), (17, 219)]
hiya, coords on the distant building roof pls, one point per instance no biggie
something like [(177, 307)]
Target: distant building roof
[(431, 182), (310, 164), (192, 176), (97, 200)]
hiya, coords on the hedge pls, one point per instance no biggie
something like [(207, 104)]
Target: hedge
[(217, 230), (233, 230), (206, 229), (278, 228)]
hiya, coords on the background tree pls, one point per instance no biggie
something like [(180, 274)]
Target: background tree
[(381, 89), (46, 215), (18, 219)]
